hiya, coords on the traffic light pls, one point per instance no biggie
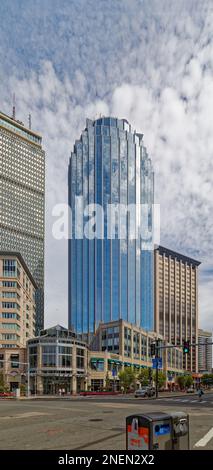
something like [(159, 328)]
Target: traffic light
[(153, 349), (186, 347)]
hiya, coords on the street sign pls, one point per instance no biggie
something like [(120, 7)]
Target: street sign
[(155, 361), (114, 372)]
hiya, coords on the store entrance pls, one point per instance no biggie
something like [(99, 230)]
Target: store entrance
[(56, 386)]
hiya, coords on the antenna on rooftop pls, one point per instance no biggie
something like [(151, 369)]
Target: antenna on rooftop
[(29, 121), (14, 106)]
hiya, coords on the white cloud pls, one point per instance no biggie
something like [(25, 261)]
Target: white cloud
[(147, 61)]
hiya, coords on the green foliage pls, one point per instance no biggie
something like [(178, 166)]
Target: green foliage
[(207, 379), (184, 381), (161, 378), (180, 380), (143, 377), (23, 389), (188, 381), (127, 378)]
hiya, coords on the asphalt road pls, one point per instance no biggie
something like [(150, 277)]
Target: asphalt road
[(92, 423)]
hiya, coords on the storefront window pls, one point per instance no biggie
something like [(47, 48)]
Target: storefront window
[(48, 356)]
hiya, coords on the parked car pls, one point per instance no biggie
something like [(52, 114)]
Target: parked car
[(6, 394), (144, 392), (190, 390)]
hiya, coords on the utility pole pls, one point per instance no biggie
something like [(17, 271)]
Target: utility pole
[(156, 374)]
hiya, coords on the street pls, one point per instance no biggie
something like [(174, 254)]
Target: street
[(96, 423)]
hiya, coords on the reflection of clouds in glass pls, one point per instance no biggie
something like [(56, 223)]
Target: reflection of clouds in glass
[(113, 169)]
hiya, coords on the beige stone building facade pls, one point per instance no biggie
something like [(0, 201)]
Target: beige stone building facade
[(205, 351), (14, 367), (59, 360), (17, 302), (120, 344), (176, 301)]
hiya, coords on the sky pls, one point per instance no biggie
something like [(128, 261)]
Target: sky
[(148, 61)]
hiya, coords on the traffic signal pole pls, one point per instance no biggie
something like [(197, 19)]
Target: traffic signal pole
[(156, 374)]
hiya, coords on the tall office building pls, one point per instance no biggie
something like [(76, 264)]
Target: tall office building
[(22, 199), (205, 351), (110, 279), (176, 301)]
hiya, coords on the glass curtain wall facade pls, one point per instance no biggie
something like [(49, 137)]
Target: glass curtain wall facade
[(110, 279), (22, 200)]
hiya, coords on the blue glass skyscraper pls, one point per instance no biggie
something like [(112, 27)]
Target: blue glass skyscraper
[(110, 278)]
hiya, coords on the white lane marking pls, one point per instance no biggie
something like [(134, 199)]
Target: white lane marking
[(205, 439), (24, 415), (184, 400)]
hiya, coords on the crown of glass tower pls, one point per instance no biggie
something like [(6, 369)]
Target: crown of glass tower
[(110, 278)]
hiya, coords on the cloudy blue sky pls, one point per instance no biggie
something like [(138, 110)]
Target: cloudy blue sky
[(149, 61)]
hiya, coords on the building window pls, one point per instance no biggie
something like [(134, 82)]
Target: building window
[(80, 358), (64, 356), (9, 268), (97, 365), (49, 356), (33, 356), (14, 358), (11, 305), (97, 385), (1, 361)]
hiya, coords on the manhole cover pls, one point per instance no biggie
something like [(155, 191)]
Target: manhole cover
[(96, 419)]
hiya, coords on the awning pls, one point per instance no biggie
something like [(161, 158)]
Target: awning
[(97, 359), (114, 361)]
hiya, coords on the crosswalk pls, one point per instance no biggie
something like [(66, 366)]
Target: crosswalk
[(186, 400)]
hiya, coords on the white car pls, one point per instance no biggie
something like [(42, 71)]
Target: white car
[(144, 392), (190, 390)]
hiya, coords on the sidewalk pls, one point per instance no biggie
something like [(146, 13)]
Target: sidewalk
[(73, 397)]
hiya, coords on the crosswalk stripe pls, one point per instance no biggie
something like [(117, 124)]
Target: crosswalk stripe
[(202, 442)]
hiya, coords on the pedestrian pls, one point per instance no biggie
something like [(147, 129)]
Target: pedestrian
[(200, 394), (63, 391), (59, 391)]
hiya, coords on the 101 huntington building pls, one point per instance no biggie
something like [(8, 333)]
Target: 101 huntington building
[(110, 279), (22, 186)]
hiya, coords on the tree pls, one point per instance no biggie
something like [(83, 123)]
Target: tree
[(127, 378), (188, 381), (2, 384), (161, 378), (23, 389), (184, 381), (207, 379), (180, 380), (143, 377)]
